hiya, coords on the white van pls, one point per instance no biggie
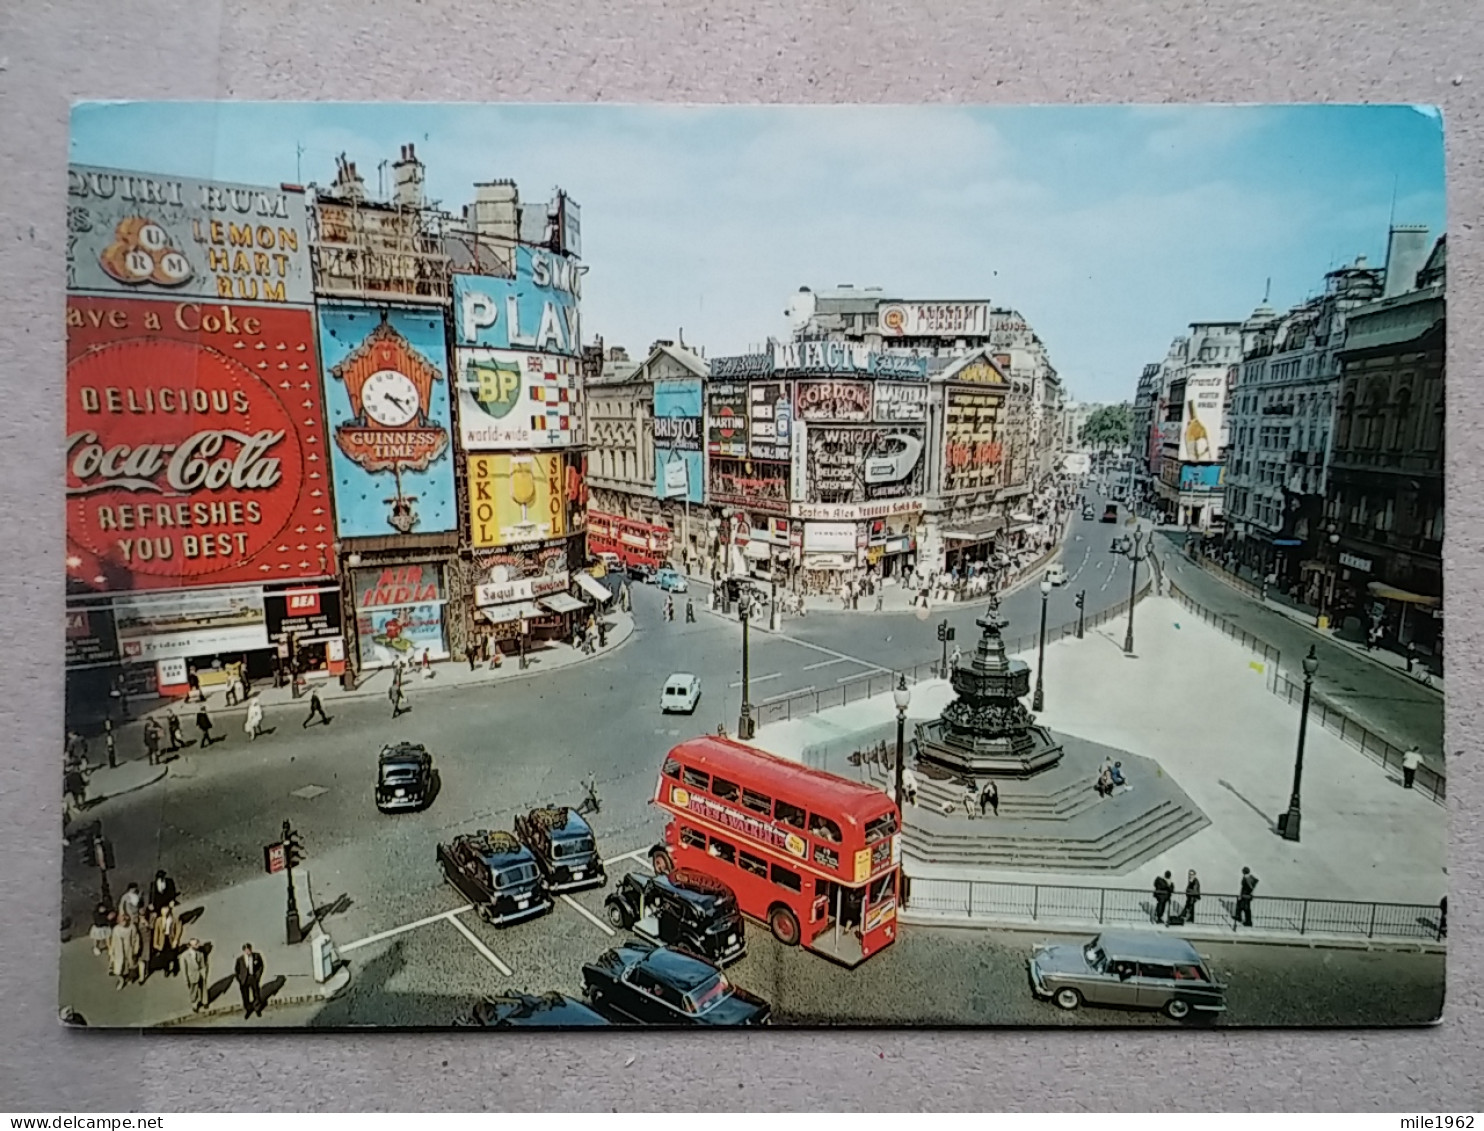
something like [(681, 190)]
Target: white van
[(1056, 573), (682, 692)]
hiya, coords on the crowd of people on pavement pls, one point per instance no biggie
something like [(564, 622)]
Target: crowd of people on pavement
[(1165, 913)]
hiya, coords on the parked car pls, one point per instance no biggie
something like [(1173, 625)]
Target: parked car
[(1088, 514), (1130, 969), (496, 873), (671, 581), (685, 909), (1110, 513), (1056, 573), (682, 691), (654, 985), (641, 571), (516, 1010), (564, 848), (404, 777)]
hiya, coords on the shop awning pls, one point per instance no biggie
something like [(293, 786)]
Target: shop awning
[(756, 551), (593, 587), (1389, 593), (976, 531), (504, 614), (563, 603)]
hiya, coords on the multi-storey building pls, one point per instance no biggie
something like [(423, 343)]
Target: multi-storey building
[(1385, 484), (1144, 438), (1196, 377), (1280, 424)]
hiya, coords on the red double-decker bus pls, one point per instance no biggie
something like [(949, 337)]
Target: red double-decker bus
[(633, 541), (816, 857)]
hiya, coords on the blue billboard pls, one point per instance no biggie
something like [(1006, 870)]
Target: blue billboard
[(1202, 476), (536, 310), (678, 469), (387, 404)]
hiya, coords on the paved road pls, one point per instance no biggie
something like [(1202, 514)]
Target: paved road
[(505, 747), (1386, 701)]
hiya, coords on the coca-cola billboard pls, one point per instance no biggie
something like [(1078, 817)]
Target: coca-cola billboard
[(195, 445)]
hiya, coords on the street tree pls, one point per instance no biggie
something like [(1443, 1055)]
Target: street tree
[(1109, 427)]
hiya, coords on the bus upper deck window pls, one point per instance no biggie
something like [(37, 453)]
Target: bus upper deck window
[(672, 768), (824, 828), (790, 815), (725, 790), (696, 779), (757, 802)]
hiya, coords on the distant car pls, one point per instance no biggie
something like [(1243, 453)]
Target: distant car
[(564, 848), (1110, 513), (682, 691), (1132, 969), (1088, 513), (516, 1010), (404, 777), (1056, 573), (654, 985), (641, 571), (496, 873), (612, 563), (671, 581), (685, 909)]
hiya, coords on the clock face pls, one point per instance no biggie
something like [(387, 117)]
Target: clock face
[(389, 398)]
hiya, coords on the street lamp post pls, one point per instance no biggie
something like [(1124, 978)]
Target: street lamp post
[(1130, 549), (745, 720), (1288, 823), (1326, 588), (1038, 700), (902, 697)]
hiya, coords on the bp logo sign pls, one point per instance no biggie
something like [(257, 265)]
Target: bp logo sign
[(495, 385)]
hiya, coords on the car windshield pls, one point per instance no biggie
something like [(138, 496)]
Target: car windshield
[(514, 876), (399, 773), (574, 846), (703, 997)]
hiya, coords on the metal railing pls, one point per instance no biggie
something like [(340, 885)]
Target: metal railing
[(1389, 757), (1127, 907), (850, 691)]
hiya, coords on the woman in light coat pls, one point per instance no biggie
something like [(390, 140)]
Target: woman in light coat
[(254, 724), (123, 950), (144, 939), (167, 934)]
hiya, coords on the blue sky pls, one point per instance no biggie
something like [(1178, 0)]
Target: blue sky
[(1109, 228)]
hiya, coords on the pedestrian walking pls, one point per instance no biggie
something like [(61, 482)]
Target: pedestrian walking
[(880, 599), (123, 950), (909, 785), (193, 685), (1164, 888), (1242, 915), (195, 963), (172, 726), (427, 664), (109, 744), (167, 931), (602, 634), (990, 799), (1411, 654), (75, 786), (317, 709), (1192, 895), (1410, 761), (971, 799), (253, 725), (249, 974), (152, 740), (399, 700), (232, 689), (131, 901), (102, 928), (144, 937), (472, 655), (690, 611), (203, 724), (162, 893), (1443, 918)]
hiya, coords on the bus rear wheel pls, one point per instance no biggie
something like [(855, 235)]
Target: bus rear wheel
[(660, 861), (784, 924)]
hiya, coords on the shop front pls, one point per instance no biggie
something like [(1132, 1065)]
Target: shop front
[(399, 612), (305, 630), (214, 633)]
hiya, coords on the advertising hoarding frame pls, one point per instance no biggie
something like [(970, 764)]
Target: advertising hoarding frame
[(513, 400)]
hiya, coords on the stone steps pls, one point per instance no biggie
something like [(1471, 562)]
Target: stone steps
[(1073, 797)]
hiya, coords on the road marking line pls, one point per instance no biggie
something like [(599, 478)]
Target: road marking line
[(639, 854), (494, 960), (827, 663), (758, 679), (588, 915), (402, 930), (830, 652), (859, 675), (786, 694)]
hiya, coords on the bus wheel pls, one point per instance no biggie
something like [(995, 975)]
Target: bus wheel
[(660, 861), (785, 925)]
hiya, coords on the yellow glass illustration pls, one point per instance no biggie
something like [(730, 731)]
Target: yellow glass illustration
[(523, 488)]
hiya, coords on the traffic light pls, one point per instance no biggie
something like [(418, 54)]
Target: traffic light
[(943, 630), (1081, 597), (293, 849), (85, 842)]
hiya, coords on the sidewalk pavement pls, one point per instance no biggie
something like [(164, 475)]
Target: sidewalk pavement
[(1197, 703), (372, 685), (251, 912), (107, 781), (1385, 657)]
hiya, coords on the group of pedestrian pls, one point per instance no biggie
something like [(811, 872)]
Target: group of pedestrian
[(1164, 893), (1110, 778), (985, 799), (142, 934)]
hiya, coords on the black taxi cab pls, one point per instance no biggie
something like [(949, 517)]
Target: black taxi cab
[(564, 847), (684, 909), (497, 874), (641, 983), (404, 777)]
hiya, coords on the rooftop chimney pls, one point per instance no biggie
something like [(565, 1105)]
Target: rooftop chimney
[(1406, 252), (348, 184), (407, 176)]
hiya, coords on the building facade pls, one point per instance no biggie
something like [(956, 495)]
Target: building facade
[(1385, 484), (1196, 378)]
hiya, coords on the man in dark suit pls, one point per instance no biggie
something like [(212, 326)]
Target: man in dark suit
[(1164, 887), (249, 974)]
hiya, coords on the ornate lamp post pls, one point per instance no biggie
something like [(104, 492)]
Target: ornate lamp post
[(745, 722), (1130, 549), (1288, 823), (1038, 700), (901, 697)]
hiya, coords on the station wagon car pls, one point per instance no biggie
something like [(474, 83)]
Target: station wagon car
[(564, 848), (682, 691), (671, 581), (685, 909), (496, 873), (404, 777), (654, 985), (515, 1010), (1128, 969)]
